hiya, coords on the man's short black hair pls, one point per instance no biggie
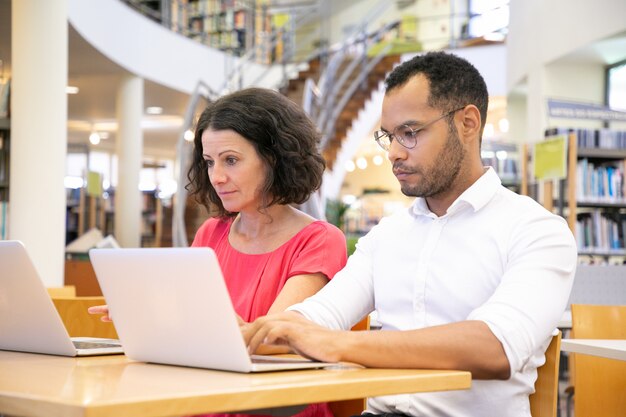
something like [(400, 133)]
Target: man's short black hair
[(454, 82)]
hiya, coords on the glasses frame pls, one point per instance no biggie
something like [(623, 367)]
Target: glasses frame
[(380, 135)]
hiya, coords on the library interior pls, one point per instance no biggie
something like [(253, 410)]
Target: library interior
[(99, 105)]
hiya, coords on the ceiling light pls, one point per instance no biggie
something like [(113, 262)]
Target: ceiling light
[(361, 163), (154, 110), (70, 89), (94, 138), (350, 166), (188, 135), (378, 160)]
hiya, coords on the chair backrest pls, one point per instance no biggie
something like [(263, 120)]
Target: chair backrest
[(78, 322), (543, 402), (599, 284), (599, 383), (65, 291), (347, 408)]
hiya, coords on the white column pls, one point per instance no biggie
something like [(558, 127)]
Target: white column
[(39, 53), (536, 104), (129, 149)]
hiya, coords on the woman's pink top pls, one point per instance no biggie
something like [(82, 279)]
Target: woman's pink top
[(254, 281)]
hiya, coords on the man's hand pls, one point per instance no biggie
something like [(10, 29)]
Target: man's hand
[(301, 335), (104, 310)]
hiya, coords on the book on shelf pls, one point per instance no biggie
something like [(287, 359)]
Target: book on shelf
[(4, 220), (597, 231), (5, 87), (600, 182), (593, 138)]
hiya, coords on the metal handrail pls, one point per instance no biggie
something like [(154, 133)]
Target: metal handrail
[(329, 104), (348, 94)]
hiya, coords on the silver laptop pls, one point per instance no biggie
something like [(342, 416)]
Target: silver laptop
[(171, 306), (29, 322)]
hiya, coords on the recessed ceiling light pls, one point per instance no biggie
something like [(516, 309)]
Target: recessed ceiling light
[(94, 138), (154, 110), (188, 135), (70, 89)]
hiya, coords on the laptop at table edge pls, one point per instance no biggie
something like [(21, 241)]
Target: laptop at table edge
[(182, 291), (29, 321)]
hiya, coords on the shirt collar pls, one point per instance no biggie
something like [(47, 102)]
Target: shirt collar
[(476, 196)]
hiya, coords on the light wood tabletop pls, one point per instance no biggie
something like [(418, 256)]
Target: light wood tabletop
[(44, 385), (606, 348)]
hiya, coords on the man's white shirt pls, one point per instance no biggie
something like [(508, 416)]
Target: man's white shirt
[(495, 256)]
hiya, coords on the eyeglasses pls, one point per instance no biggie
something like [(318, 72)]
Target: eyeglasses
[(405, 134)]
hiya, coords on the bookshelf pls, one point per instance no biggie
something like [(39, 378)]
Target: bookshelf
[(593, 197), (5, 162), (505, 160), (227, 25)]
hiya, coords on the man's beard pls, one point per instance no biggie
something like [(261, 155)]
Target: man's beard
[(443, 173)]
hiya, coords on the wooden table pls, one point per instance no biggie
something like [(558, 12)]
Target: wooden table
[(44, 385), (611, 349)]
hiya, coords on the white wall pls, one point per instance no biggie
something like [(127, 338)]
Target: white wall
[(582, 82), (553, 54), (542, 31), (516, 113)]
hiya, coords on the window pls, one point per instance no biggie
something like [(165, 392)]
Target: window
[(616, 86), (488, 16)]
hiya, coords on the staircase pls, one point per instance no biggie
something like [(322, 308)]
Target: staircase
[(350, 111)]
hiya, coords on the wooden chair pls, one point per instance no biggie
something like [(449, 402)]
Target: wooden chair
[(347, 408), (78, 322), (599, 383), (544, 401), (65, 291)]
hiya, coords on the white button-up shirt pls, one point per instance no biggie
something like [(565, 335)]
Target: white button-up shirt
[(494, 256)]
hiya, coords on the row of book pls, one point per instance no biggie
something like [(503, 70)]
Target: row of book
[(594, 138), (203, 7), (219, 22), (505, 167), (223, 40), (600, 231), (600, 182), (5, 87), (4, 220), (4, 158)]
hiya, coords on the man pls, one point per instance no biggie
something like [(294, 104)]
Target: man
[(472, 276)]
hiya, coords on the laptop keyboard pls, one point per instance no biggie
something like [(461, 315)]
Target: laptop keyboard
[(260, 359), (94, 345)]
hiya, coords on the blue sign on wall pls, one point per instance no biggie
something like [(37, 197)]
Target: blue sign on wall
[(573, 110)]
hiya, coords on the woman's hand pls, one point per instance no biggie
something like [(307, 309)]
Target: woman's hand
[(104, 310)]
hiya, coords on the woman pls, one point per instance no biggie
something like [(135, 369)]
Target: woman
[(255, 156)]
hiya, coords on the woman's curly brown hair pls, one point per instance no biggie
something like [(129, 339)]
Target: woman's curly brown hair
[(283, 136)]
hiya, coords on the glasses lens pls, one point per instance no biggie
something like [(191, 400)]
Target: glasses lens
[(406, 135), (382, 139)]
